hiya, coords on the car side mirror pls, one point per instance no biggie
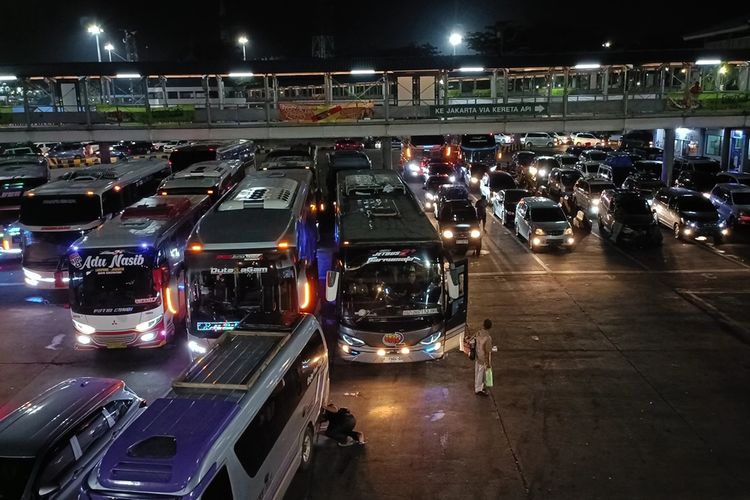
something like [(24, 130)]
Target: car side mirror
[(453, 290), (48, 489), (332, 285)]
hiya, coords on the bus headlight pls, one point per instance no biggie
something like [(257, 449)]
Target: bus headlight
[(148, 337), (83, 328), (147, 325), (431, 339), (352, 340), (196, 347), (448, 234), (83, 339), (475, 233), (539, 231)]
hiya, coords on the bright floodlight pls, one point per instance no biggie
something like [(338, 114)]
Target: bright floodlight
[(95, 30), (470, 69), (607, 44), (241, 74), (242, 40), (128, 75), (587, 66), (362, 72), (455, 39), (109, 46), (708, 62), (8, 78)]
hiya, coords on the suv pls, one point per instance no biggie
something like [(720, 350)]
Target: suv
[(542, 223), (616, 175), (495, 181), (695, 164), (472, 173), (459, 226), (593, 155), (446, 193), (588, 167), (733, 203), (537, 139), (703, 182), (627, 218), (561, 182), (586, 139), (50, 443), (689, 215), (504, 204), (733, 177), (586, 193), (566, 160), (644, 184), (536, 175), (649, 167)]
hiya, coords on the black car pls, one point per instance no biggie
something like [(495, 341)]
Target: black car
[(695, 164), (592, 155), (652, 168), (561, 182), (441, 168), (431, 185), (702, 182), (625, 217), (504, 204), (576, 150), (521, 159), (473, 173), (459, 226), (133, 148), (495, 181), (645, 184), (567, 160), (535, 175), (446, 193)]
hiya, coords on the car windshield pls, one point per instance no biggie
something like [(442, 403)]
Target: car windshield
[(567, 160), (708, 167), (549, 163), (547, 214), (741, 198), (695, 204), (598, 187), (525, 158), (569, 178), (403, 282), (502, 181), (14, 474), (648, 168), (440, 169), (632, 205), (455, 194), (590, 168), (478, 141), (112, 281), (514, 196), (459, 214), (596, 155)]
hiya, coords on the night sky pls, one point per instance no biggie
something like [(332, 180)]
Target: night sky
[(46, 31)]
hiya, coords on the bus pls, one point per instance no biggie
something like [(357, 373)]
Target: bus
[(214, 178), (237, 424), (184, 156), (16, 177), (127, 277), (399, 297), (56, 214), (254, 251), (479, 148)]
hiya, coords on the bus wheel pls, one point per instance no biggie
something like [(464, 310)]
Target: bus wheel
[(306, 453)]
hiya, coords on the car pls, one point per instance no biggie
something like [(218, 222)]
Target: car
[(733, 177), (472, 173), (625, 216), (695, 164), (50, 443), (67, 150), (542, 223), (445, 193), (637, 139), (586, 194), (494, 181), (645, 184), (349, 145), (431, 185), (560, 138), (702, 182), (170, 146), (566, 160), (521, 159), (732, 201), (592, 155), (504, 139), (537, 139), (561, 182), (689, 214), (652, 168), (458, 225), (535, 176), (576, 150), (21, 151), (133, 148), (588, 167), (616, 175), (586, 139), (504, 204), (622, 159), (442, 168), (648, 153)]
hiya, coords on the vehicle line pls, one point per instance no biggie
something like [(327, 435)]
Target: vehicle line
[(618, 249)]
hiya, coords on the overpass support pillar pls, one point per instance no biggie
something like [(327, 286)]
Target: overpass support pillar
[(206, 87), (163, 83), (505, 85), (27, 110), (84, 97), (566, 83), (275, 82), (385, 149), (266, 99), (327, 88), (668, 157), (725, 143), (386, 97), (220, 91), (743, 152), (493, 87)]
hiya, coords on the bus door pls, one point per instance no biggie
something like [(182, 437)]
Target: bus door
[(457, 287)]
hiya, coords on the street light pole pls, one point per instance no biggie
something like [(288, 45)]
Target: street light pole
[(109, 48), (455, 39), (242, 40), (96, 31)]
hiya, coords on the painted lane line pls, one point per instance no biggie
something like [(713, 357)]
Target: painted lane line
[(57, 340), (12, 284)]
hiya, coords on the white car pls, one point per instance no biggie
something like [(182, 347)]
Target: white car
[(504, 139), (170, 146), (537, 139), (542, 223), (586, 139)]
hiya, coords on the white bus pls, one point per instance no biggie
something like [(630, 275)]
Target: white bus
[(255, 251), (238, 423), (56, 214), (127, 277), (16, 177), (214, 178)]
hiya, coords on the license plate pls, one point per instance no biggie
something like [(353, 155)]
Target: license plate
[(116, 345), (394, 359), (462, 242)]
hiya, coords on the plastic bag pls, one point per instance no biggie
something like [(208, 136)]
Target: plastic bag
[(488, 377)]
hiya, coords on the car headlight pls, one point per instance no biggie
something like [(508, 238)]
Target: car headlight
[(429, 196), (196, 347), (539, 231), (83, 328), (722, 223), (147, 325), (474, 180), (413, 167), (707, 195), (448, 234), (452, 178), (595, 202), (428, 204), (431, 339), (532, 170), (352, 340), (568, 231), (692, 223), (475, 233), (542, 172)]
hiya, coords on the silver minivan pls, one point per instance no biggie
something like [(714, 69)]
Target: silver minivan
[(537, 139), (542, 223)]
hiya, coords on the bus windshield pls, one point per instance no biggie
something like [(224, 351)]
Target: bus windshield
[(60, 210), (401, 282), (112, 282), (226, 288), (478, 141), (44, 250)]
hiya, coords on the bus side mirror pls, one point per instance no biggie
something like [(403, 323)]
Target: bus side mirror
[(332, 285), (453, 290)]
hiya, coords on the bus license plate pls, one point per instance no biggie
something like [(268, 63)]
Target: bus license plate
[(117, 345), (394, 359), (462, 242)]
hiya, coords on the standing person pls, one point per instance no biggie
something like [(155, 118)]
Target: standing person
[(481, 207), (482, 361), (341, 426)]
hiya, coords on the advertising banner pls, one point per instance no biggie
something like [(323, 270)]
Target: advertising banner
[(316, 113)]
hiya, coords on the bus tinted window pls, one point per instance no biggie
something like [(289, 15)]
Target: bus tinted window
[(220, 487), (182, 159), (43, 249), (478, 141), (60, 210), (427, 140)]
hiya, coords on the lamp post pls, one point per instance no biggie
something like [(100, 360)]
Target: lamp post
[(96, 31), (455, 39), (243, 41), (109, 48)]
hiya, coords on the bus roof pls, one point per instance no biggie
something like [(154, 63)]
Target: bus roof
[(22, 169), (203, 174), (259, 213), (143, 223), (390, 214), (219, 146), (101, 178)]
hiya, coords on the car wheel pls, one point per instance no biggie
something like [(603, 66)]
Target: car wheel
[(677, 232), (602, 229), (306, 451), (529, 145), (549, 144)]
